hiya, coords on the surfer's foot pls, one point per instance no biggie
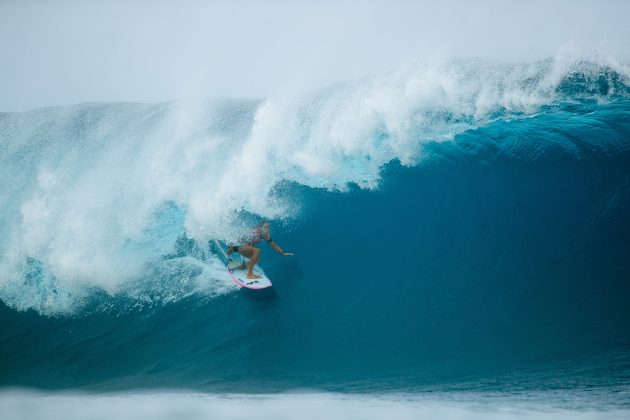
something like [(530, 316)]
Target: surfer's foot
[(253, 276)]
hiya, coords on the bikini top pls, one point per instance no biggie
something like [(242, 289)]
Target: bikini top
[(257, 236)]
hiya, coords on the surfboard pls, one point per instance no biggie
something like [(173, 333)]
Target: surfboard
[(236, 266)]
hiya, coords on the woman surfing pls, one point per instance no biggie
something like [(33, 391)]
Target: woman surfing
[(248, 247)]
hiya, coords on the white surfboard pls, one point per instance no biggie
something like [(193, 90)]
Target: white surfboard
[(237, 266)]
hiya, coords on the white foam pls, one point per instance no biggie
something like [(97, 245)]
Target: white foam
[(18, 405)]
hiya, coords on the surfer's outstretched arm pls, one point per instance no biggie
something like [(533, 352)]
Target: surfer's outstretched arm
[(278, 249)]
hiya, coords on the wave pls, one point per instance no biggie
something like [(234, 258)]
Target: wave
[(95, 194), (451, 222)]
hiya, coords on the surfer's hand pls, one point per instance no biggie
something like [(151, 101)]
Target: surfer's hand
[(287, 254)]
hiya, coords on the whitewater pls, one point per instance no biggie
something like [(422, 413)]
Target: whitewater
[(460, 230)]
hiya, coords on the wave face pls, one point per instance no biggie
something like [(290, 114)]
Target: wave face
[(454, 223)]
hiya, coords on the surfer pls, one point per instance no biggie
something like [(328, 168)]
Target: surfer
[(248, 248)]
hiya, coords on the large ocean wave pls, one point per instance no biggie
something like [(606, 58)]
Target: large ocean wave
[(451, 221)]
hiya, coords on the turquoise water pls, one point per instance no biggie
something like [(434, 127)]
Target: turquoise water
[(460, 237)]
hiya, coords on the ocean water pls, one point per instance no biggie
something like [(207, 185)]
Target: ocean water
[(461, 236)]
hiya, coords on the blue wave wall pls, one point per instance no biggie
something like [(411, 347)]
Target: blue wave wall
[(508, 248), (504, 254)]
